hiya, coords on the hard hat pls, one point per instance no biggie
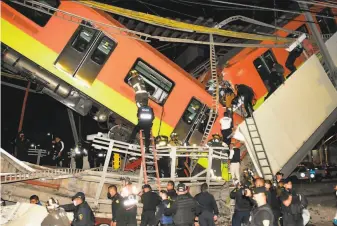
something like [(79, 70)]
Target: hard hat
[(216, 136), (174, 135), (133, 73)]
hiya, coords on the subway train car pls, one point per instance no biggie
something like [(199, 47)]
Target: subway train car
[(88, 66), (251, 66)]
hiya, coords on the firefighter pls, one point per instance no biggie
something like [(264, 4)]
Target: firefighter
[(247, 94), (138, 84), (216, 141), (182, 162), (164, 161), (129, 194), (116, 205), (83, 215), (59, 151)]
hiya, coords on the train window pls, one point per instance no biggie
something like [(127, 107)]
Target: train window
[(264, 64), (157, 85), (302, 29), (103, 50), (83, 39), (192, 111), (37, 17), (327, 25)]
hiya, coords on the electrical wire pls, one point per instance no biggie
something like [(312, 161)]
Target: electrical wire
[(330, 5), (148, 7), (271, 9), (168, 9)]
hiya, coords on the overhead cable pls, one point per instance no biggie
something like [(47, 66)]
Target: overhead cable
[(267, 8)]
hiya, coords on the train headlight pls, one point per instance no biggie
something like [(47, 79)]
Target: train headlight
[(302, 174)]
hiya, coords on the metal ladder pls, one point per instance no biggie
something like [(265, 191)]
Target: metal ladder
[(258, 147), (215, 95), (144, 169)]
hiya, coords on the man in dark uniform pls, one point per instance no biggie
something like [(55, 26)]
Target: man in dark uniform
[(150, 201), (21, 147), (243, 204), (275, 79), (116, 202), (247, 93), (273, 201), (184, 208), (171, 192), (83, 215), (138, 84), (262, 215), (279, 178), (209, 208), (293, 55), (234, 162), (59, 151), (216, 141), (129, 194)]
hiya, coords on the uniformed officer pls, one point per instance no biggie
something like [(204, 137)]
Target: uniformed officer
[(138, 84), (129, 194), (150, 201), (293, 55), (116, 202), (209, 208), (234, 161), (262, 215), (83, 215)]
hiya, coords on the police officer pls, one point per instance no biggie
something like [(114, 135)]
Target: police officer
[(243, 204), (116, 202), (273, 201), (83, 215), (129, 194), (184, 208), (58, 151), (150, 201), (171, 192), (247, 93), (262, 215), (209, 208)]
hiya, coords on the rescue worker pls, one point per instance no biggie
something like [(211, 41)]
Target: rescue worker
[(138, 84), (247, 94), (262, 215), (234, 162), (209, 208), (293, 55), (165, 204), (116, 205), (150, 202), (145, 118), (58, 151), (184, 208), (273, 201), (275, 78), (129, 194), (164, 161), (243, 204), (21, 147), (226, 128), (182, 163), (83, 215), (216, 141), (34, 199), (228, 95), (171, 192)]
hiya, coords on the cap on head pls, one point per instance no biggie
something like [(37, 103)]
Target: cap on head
[(79, 195), (181, 187)]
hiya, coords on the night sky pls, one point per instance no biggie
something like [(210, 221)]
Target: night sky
[(43, 114)]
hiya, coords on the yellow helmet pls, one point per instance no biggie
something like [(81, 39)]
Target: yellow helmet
[(174, 136), (216, 136), (134, 73)]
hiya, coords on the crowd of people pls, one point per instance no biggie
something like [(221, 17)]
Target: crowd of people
[(275, 202)]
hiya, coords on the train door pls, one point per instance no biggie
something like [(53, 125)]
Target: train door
[(85, 54), (194, 116), (263, 65)]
